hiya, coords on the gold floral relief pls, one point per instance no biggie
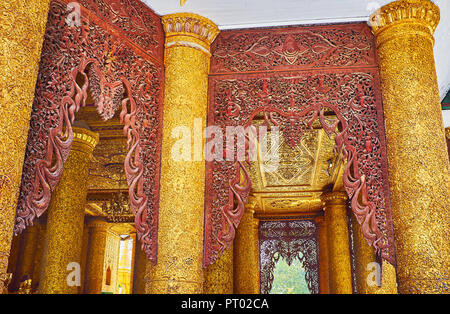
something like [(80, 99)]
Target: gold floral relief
[(180, 226), (416, 146)]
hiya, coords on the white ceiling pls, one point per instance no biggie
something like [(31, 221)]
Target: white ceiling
[(232, 14)]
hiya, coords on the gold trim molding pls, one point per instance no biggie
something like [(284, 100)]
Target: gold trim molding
[(334, 196), (83, 137), (189, 30)]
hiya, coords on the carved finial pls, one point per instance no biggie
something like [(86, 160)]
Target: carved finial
[(182, 2)]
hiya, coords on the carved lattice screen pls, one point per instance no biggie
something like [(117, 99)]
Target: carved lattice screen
[(288, 240)]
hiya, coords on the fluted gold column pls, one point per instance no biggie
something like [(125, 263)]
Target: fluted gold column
[(140, 265), (246, 253), (27, 250), (323, 254), (366, 268), (416, 147), (22, 26), (339, 261), (93, 281), (219, 276), (180, 248), (65, 219)]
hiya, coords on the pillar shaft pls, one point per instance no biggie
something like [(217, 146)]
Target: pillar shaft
[(366, 268), (416, 147), (13, 259), (339, 261), (27, 251), (140, 265), (21, 36), (65, 221), (180, 225), (96, 256), (246, 254), (323, 254), (219, 276), (84, 253), (38, 256)]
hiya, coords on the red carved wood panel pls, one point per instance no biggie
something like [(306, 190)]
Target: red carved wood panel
[(294, 76), (115, 50)]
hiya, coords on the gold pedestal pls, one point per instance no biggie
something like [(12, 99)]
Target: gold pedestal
[(180, 225), (21, 36), (416, 146), (339, 261), (246, 253), (65, 220)]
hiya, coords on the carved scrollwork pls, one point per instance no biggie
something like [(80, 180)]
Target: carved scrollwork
[(91, 59), (346, 102)]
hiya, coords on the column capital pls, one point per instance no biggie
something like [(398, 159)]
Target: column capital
[(251, 204), (84, 140), (422, 12), (189, 30), (98, 223), (334, 197)]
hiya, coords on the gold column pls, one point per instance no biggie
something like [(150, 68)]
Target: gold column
[(14, 254), (36, 277), (140, 265), (219, 276), (416, 147), (65, 219), (180, 249), (84, 253), (96, 256), (365, 267), (323, 254), (246, 253), (339, 262), (22, 26), (27, 250)]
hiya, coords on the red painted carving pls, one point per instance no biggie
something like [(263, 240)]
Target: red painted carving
[(133, 19), (345, 99), (292, 48), (119, 75)]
